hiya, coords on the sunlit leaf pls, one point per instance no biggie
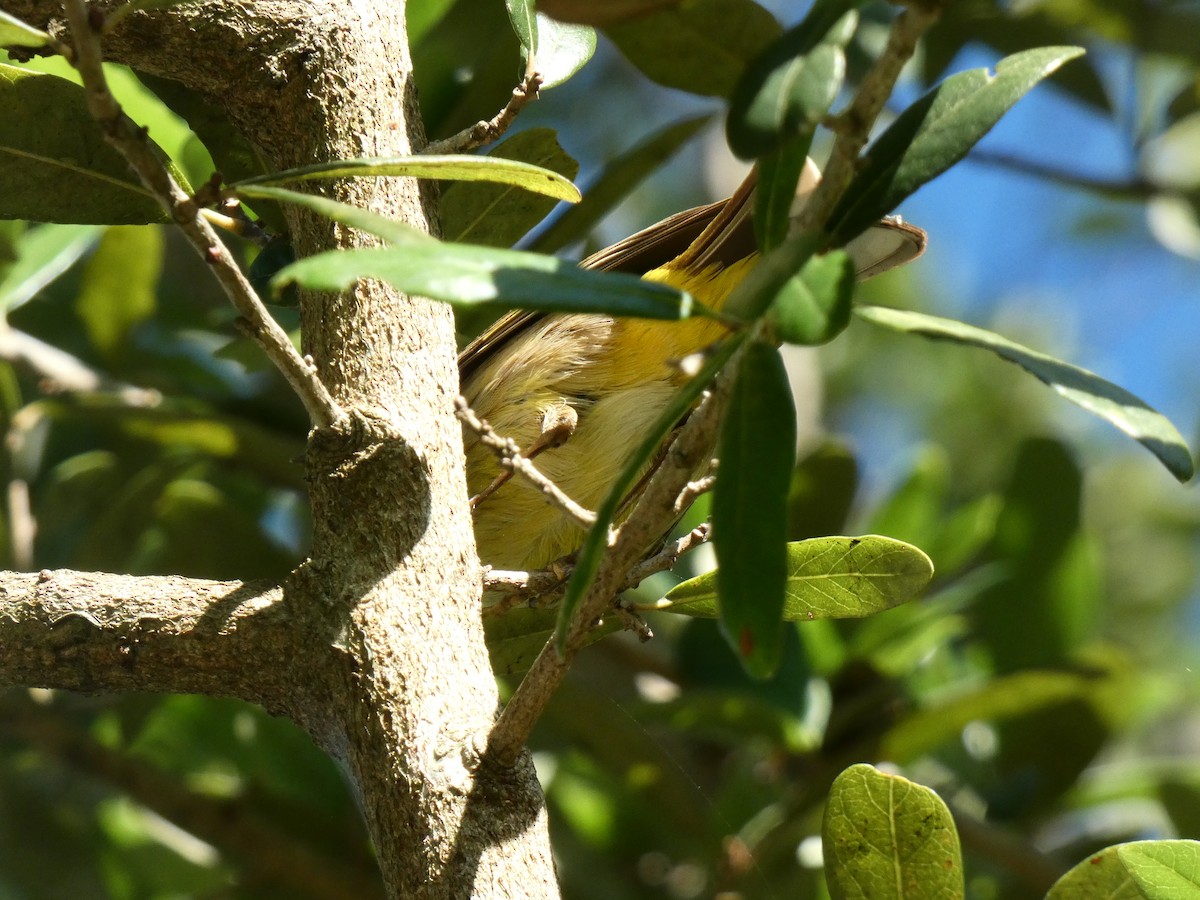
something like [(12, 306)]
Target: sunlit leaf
[(563, 49), (887, 838), (119, 285), (1086, 389), (827, 578), (814, 305), (936, 132), (1140, 870), (15, 33), (43, 253), (450, 168)]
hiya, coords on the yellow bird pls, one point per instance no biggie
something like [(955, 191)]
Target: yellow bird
[(579, 391)]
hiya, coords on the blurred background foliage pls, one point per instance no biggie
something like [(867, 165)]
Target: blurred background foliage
[(1044, 686)]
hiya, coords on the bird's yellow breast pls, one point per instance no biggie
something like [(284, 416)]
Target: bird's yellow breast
[(615, 374)]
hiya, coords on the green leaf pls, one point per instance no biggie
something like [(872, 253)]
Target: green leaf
[(450, 168), (814, 306), (592, 551), (935, 133), (524, 25), (616, 182), (390, 230), (779, 173), (15, 33), (701, 47), (1140, 870), (887, 838), (563, 49), (55, 165), (119, 284), (498, 215), (43, 253), (757, 452), (1086, 389), (467, 276), (827, 578), (788, 89)]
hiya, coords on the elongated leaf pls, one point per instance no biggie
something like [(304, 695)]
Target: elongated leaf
[(594, 545), (814, 306), (827, 578), (55, 165), (790, 86), (887, 838), (936, 132), (498, 215), (779, 173), (563, 49), (702, 46), (757, 453), (463, 275), (1102, 398), (615, 183), (355, 216), (43, 253), (1140, 870), (524, 24), (451, 168), (15, 33)]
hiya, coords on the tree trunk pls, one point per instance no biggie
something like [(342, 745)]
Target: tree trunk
[(395, 680)]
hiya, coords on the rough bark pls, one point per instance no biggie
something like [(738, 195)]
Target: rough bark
[(375, 646)]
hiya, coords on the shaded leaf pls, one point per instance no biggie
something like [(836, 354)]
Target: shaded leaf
[(515, 638), (498, 215), (779, 173), (524, 24), (936, 132), (391, 230), (57, 167), (757, 452), (814, 305), (451, 168), (119, 284), (827, 578), (1140, 870), (790, 86), (701, 47), (1008, 697), (1086, 389), (616, 181), (887, 838)]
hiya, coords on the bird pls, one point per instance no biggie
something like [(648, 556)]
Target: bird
[(578, 391)]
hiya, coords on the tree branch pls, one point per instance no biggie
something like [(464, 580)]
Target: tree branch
[(96, 632), (131, 141)]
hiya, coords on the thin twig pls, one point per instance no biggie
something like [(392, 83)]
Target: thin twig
[(131, 141), (668, 556), (488, 130), (510, 457), (651, 516), (853, 126), (693, 490)]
